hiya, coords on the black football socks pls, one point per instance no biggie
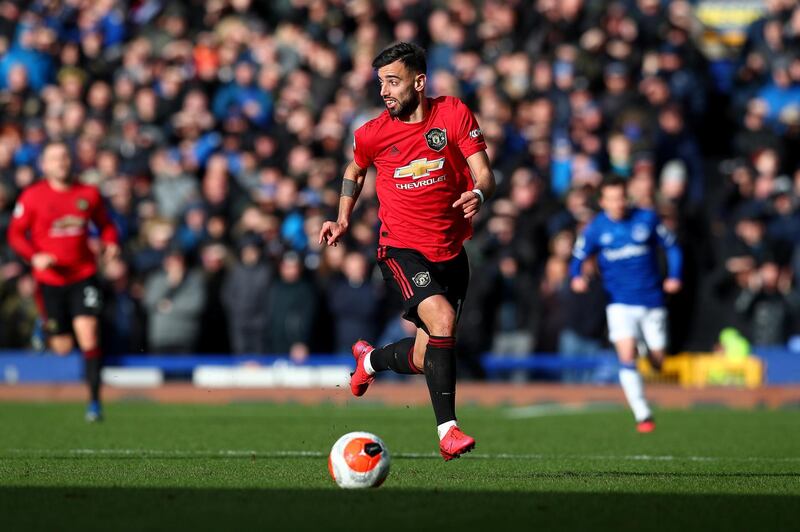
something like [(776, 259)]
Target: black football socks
[(398, 357), (93, 362), (440, 374)]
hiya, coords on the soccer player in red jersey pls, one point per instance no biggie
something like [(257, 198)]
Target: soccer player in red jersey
[(50, 230), (433, 176)]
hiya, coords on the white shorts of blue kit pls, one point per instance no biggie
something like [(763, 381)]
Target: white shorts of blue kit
[(639, 322)]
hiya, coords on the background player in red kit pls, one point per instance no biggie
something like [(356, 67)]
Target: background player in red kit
[(50, 229), (433, 176)]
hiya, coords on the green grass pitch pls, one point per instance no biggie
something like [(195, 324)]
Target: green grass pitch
[(263, 467)]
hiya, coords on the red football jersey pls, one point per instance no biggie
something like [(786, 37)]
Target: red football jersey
[(421, 171), (57, 222)]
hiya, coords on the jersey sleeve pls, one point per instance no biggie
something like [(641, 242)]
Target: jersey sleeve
[(585, 246), (362, 150), (468, 133), (667, 240), (21, 222)]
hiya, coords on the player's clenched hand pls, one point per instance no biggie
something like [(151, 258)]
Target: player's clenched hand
[(672, 286), (331, 232), (469, 202), (579, 284), (42, 261)]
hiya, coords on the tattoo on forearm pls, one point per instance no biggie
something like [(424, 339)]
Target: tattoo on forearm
[(350, 188)]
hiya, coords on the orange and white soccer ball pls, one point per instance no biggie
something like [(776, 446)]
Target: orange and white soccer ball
[(359, 460)]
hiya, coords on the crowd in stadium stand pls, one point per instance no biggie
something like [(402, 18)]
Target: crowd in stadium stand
[(218, 130)]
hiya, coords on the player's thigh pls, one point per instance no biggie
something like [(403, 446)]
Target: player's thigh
[(626, 350), (654, 328)]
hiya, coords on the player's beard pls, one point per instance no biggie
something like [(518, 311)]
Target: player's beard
[(405, 107), (60, 176)]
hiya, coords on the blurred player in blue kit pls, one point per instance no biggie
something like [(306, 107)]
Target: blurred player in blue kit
[(626, 241)]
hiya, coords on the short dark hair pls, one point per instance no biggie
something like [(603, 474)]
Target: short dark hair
[(410, 54), (613, 181)]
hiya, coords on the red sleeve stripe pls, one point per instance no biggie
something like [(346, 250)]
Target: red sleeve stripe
[(405, 286)]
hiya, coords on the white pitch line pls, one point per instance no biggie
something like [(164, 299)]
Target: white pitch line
[(245, 453), (548, 410)]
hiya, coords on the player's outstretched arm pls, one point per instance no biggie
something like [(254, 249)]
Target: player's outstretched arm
[(352, 183), (472, 200)]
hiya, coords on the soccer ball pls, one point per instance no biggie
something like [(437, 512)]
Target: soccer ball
[(359, 460)]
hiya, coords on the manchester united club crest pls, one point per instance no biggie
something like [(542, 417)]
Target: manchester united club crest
[(436, 138), (422, 279), (82, 204)]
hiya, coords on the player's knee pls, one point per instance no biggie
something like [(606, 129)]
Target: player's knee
[(442, 327), (626, 350), (86, 332), (443, 322)]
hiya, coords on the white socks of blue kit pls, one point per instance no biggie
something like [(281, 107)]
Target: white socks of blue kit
[(632, 385)]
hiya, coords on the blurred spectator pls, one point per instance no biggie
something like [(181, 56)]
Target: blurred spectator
[(783, 91), (769, 305), (174, 298), (291, 309), (513, 305), (122, 317), (214, 320), (354, 301), (552, 309), (675, 141), (18, 313), (583, 333), (243, 97), (156, 235), (244, 297)]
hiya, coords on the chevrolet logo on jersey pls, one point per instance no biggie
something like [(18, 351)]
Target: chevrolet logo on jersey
[(419, 168)]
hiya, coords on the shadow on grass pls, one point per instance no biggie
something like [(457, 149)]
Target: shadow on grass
[(88, 509)]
